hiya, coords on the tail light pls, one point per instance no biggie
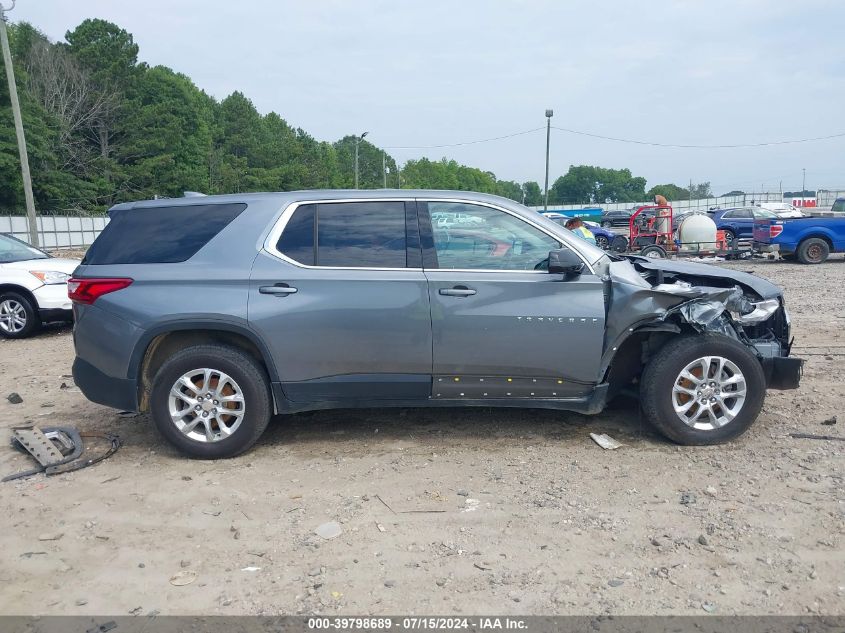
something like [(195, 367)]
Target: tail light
[(89, 290), (775, 230)]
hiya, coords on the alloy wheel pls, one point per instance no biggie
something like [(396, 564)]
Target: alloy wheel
[(709, 393), (12, 316), (206, 405)]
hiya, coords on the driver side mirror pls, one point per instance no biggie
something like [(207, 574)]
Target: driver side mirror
[(565, 262)]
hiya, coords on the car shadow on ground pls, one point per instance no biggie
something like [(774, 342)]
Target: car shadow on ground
[(622, 420)]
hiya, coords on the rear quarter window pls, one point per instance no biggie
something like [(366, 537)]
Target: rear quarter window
[(839, 205), (160, 235)]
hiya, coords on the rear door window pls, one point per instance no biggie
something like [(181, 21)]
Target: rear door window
[(297, 240), (159, 235), (347, 235)]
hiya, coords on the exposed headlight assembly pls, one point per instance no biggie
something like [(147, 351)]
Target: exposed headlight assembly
[(50, 277), (762, 311)]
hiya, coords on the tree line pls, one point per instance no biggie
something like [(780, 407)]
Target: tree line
[(103, 128)]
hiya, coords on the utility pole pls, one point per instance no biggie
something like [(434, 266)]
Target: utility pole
[(803, 182), (16, 114), (384, 168), (549, 115), (358, 140)]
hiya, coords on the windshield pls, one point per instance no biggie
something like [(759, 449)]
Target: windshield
[(764, 214), (13, 250), (839, 205)]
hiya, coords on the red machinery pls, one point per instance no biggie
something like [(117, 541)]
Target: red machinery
[(651, 226), (652, 235)]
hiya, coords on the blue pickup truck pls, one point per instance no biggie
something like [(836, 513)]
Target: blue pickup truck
[(809, 240)]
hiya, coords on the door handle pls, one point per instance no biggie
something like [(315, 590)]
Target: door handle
[(280, 290), (457, 291)]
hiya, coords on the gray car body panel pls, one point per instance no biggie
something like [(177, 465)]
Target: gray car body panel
[(349, 337), (540, 324), (341, 323)]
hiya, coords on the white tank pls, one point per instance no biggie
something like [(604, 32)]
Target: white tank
[(697, 232)]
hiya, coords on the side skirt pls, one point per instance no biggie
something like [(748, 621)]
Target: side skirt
[(591, 403)]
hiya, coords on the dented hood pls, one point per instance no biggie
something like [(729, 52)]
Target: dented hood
[(766, 289)]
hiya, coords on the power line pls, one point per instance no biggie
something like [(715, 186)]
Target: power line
[(622, 140), (680, 146), (483, 140)]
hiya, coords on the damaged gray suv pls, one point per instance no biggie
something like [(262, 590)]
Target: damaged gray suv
[(215, 313)]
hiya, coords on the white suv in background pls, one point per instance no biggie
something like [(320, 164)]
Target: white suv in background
[(33, 288)]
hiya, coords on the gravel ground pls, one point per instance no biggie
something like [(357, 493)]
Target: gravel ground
[(441, 511)]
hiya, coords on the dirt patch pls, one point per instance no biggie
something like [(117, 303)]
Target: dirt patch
[(441, 511)]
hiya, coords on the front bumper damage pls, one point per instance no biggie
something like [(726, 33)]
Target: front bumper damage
[(652, 296)]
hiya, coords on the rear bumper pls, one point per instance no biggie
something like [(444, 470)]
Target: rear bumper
[(765, 247), (782, 372), (118, 393)]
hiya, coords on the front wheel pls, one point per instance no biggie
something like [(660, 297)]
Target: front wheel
[(602, 242), (18, 316), (211, 401), (606, 223), (702, 389)]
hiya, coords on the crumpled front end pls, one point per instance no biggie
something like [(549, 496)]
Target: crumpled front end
[(647, 297)]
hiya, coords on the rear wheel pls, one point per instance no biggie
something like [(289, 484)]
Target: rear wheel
[(18, 316), (654, 252), (813, 251), (211, 401), (730, 238), (702, 389)]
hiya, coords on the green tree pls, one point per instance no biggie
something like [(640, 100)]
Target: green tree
[(585, 184), (533, 194), (371, 175), (110, 55), (669, 191), (701, 190), (509, 189), (165, 148)]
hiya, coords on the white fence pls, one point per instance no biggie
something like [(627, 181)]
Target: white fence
[(679, 206), (826, 197), (56, 231)]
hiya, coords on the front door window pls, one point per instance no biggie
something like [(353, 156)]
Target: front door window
[(474, 237)]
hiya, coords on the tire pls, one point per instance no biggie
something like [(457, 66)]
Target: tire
[(245, 376), (730, 238), (602, 242), (619, 244), (606, 223), (15, 307), (812, 251), (654, 251), (663, 372)]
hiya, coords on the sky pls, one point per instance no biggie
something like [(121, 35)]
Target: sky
[(439, 72)]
